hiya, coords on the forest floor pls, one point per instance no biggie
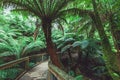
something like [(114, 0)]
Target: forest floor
[(37, 73)]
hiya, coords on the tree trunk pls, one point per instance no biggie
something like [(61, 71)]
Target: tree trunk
[(104, 40), (116, 37), (109, 56), (46, 26), (115, 32)]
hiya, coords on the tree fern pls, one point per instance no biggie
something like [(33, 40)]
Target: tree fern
[(33, 46)]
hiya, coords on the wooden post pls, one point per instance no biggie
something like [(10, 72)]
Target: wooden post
[(27, 64)]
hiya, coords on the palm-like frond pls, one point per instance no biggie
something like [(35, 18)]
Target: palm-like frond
[(33, 46), (47, 10), (20, 47), (10, 47), (76, 11), (4, 47), (2, 34), (42, 9)]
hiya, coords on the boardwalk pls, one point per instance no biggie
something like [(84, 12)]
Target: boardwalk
[(37, 73)]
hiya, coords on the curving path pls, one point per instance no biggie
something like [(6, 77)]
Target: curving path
[(37, 73)]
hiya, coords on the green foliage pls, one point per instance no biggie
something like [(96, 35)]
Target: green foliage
[(16, 36), (16, 41), (76, 43), (33, 46), (9, 73), (71, 73), (20, 47), (80, 77), (65, 48), (31, 64)]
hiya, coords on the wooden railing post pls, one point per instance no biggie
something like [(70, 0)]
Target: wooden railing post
[(27, 64), (42, 57)]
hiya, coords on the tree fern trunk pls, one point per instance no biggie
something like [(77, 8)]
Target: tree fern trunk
[(115, 33), (50, 46), (116, 36)]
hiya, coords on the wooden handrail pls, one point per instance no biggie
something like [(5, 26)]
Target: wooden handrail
[(25, 59), (36, 55), (58, 73), (12, 63)]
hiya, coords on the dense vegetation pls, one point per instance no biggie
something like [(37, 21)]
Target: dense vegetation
[(82, 37)]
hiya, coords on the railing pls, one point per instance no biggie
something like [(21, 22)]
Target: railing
[(22, 64), (12, 63), (58, 73)]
